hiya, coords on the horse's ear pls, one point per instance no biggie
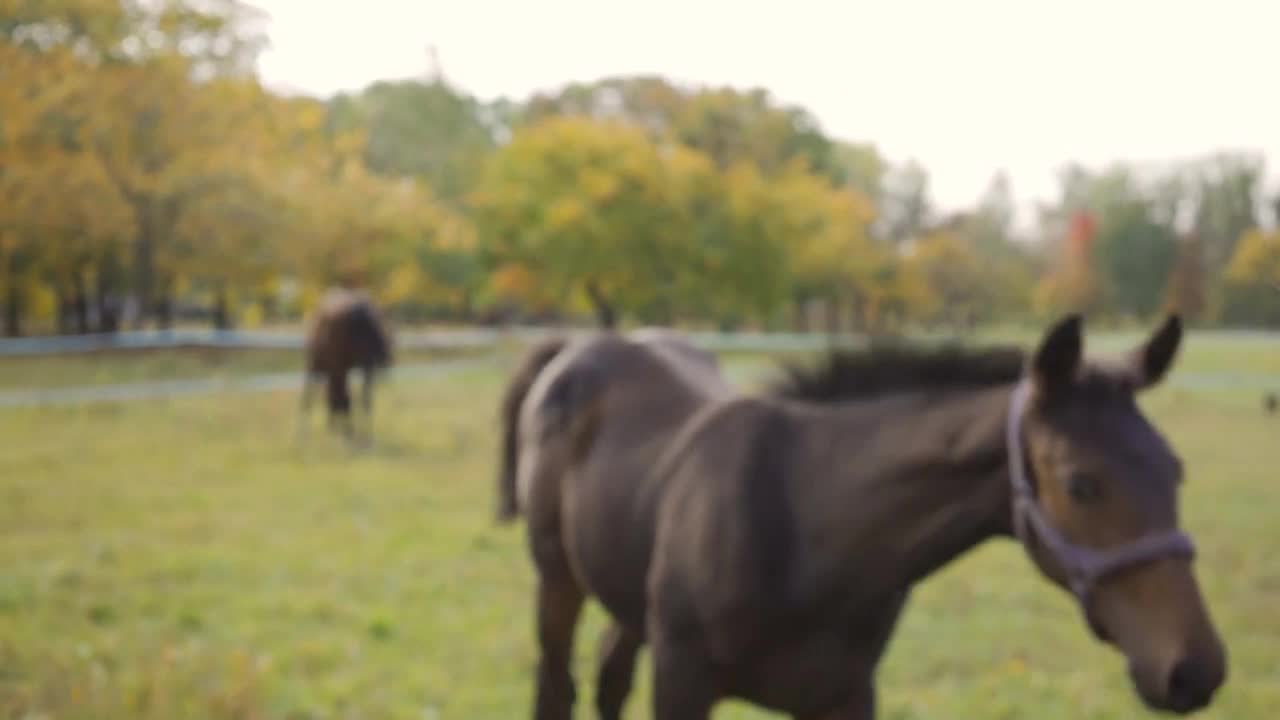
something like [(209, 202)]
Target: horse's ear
[(1058, 358), (1151, 361)]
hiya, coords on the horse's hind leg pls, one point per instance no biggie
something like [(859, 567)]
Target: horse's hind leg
[(559, 605), (860, 706), (340, 402), (304, 403), (683, 681), (619, 647), (366, 399)]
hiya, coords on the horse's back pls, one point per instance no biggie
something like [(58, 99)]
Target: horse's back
[(696, 368), (339, 299), (347, 329), (650, 368)]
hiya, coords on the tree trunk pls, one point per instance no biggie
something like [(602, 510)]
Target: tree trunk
[(13, 313), (104, 298), (856, 322), (108, 312), (605, 314), (164, 312), (80, 303), (664, 313), (62, 309), (468, 306), (164, 308), (221, 310), (799, 320), (143, 251)]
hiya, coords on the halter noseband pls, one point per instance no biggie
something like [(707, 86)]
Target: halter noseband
[(1083, 566)]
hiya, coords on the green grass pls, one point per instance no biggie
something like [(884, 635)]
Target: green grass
[(184, 559), (128, 366)]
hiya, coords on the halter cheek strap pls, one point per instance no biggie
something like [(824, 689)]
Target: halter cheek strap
[(1084, 567)]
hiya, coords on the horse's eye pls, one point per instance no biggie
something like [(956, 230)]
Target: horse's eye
[(1084, 488)]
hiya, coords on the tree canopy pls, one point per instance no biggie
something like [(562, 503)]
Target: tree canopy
[(145, 172)]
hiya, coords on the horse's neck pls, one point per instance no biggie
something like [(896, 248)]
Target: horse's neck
[(920, 482)]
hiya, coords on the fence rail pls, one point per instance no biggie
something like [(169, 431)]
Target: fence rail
[(482, 338), (443, 339)]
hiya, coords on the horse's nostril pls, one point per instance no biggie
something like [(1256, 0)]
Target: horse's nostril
[(1180, 678), (1189, 686)]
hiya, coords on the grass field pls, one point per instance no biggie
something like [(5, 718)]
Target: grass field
[(130, 366), (184, 559)]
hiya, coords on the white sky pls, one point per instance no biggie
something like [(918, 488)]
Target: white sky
[(965, 87)]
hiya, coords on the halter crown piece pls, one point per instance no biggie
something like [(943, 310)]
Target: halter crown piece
[(1084, 567)]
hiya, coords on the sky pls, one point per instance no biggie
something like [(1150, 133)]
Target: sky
[(965, 88)]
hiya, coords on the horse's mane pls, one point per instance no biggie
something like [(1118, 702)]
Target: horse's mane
[(897, 366)]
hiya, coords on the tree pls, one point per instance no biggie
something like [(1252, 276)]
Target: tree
[(427, 130), (1073, 284), (726, 124), (596, 211), (582, 204), (964, 287), (430, 263), (863, 168), (730, 126), (905, 206), (990, 226), (735, 266), (833, 257), (222, 245), (346, 225), (1186, 292), (1133, 245), (78, 220), (1135, 255), (649, 102), (1007, 267), (33, 84), (164, 143), (1251, 292), (1227, 185), (124, 80)]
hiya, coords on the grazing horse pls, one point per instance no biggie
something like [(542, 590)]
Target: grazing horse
[(584, 420), (770, 553), (346, 333)]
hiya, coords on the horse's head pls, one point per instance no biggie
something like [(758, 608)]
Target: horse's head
[(1097, 506)]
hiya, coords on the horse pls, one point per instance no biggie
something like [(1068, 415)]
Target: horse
[(772, 549), (600, 408), (346, 333)]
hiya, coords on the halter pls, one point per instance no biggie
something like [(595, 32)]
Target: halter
[(1083, 566)]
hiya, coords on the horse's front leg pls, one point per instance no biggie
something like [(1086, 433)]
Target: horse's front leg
[(860, 703)]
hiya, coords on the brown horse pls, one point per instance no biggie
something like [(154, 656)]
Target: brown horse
[(770, 553), (599, 408), (345, 334)]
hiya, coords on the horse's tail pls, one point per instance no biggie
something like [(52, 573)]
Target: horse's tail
[(512, 400)]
